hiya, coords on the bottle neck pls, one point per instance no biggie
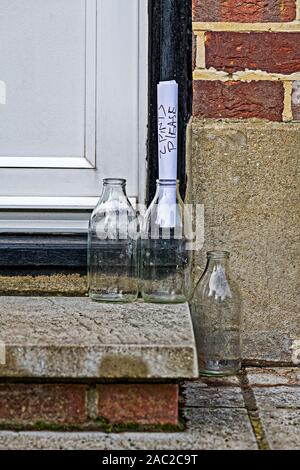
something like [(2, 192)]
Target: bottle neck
[(114, 190), (218, 262), (167, 187)]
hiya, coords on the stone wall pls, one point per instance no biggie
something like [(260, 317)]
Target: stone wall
[(244, 166)]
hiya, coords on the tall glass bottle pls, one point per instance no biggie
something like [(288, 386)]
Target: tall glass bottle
[(165, 258), (216, 309), (113, 246)]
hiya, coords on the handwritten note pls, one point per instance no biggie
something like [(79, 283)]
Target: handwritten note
[(167, 96)]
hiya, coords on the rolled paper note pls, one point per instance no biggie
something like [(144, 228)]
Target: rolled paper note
[(2, 92), (167, 114), (167, 99)]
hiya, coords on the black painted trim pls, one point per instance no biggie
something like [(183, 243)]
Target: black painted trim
[(43, 251), (170, 57)]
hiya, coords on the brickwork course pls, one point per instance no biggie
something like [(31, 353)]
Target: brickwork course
[(249, 42), (36, 406)]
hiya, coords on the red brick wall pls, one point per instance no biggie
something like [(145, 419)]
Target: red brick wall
[(246, 11), (41, 406), (247, 59)]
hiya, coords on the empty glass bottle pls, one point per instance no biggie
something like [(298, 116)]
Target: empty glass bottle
[(216, 308), (165, 259), (113, 246)]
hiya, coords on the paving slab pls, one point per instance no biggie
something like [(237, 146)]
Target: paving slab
[(282, 428), (273, 376), (277, 396), (220, 428), (213, 394), (65, 337)]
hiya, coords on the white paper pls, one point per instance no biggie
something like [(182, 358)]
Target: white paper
[(2, 92), (166, 208), (167, 99)]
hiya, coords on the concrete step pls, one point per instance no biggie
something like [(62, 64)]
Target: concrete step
[(64, 337)]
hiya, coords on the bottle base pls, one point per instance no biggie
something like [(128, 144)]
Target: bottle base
[(118, 298), (220, 368), (161, 299)]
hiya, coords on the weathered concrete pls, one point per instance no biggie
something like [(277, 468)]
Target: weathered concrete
[(78, 338), (211, 394), (277, 397), (265, 377), (247, 176), (282, 428), (270, 398), (55, 284)]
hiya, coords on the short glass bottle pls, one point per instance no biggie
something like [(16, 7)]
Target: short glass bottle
[(216, 312), (165, 258), (113, 246)]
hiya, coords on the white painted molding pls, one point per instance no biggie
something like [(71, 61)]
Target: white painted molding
[(2, 92), (143, 99), (47, 214), (55, 203)]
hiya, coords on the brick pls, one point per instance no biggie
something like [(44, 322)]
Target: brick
[(296, 100), (216, 99), (270, 52), (148, 404), (28, 404), (244, 11)]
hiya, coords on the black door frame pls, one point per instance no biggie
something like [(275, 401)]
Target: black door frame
[(170, 58)]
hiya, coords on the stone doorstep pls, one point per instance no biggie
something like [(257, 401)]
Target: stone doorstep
[(75, 338), (62, 354)]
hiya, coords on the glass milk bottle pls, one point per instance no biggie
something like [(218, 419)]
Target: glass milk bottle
[(216, 312), (113, 246), (165, 258)]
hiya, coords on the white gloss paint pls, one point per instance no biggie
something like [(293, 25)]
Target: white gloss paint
[(47, 214), (77, 107), (2, 92)]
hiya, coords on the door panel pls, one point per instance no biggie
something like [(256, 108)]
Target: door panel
[(75, 106), (44, 54)]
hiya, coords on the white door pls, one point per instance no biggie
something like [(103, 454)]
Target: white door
[(74, 73)]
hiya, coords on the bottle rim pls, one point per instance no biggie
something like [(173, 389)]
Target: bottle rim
[(218, 254), (163, 182), (114, 181)]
